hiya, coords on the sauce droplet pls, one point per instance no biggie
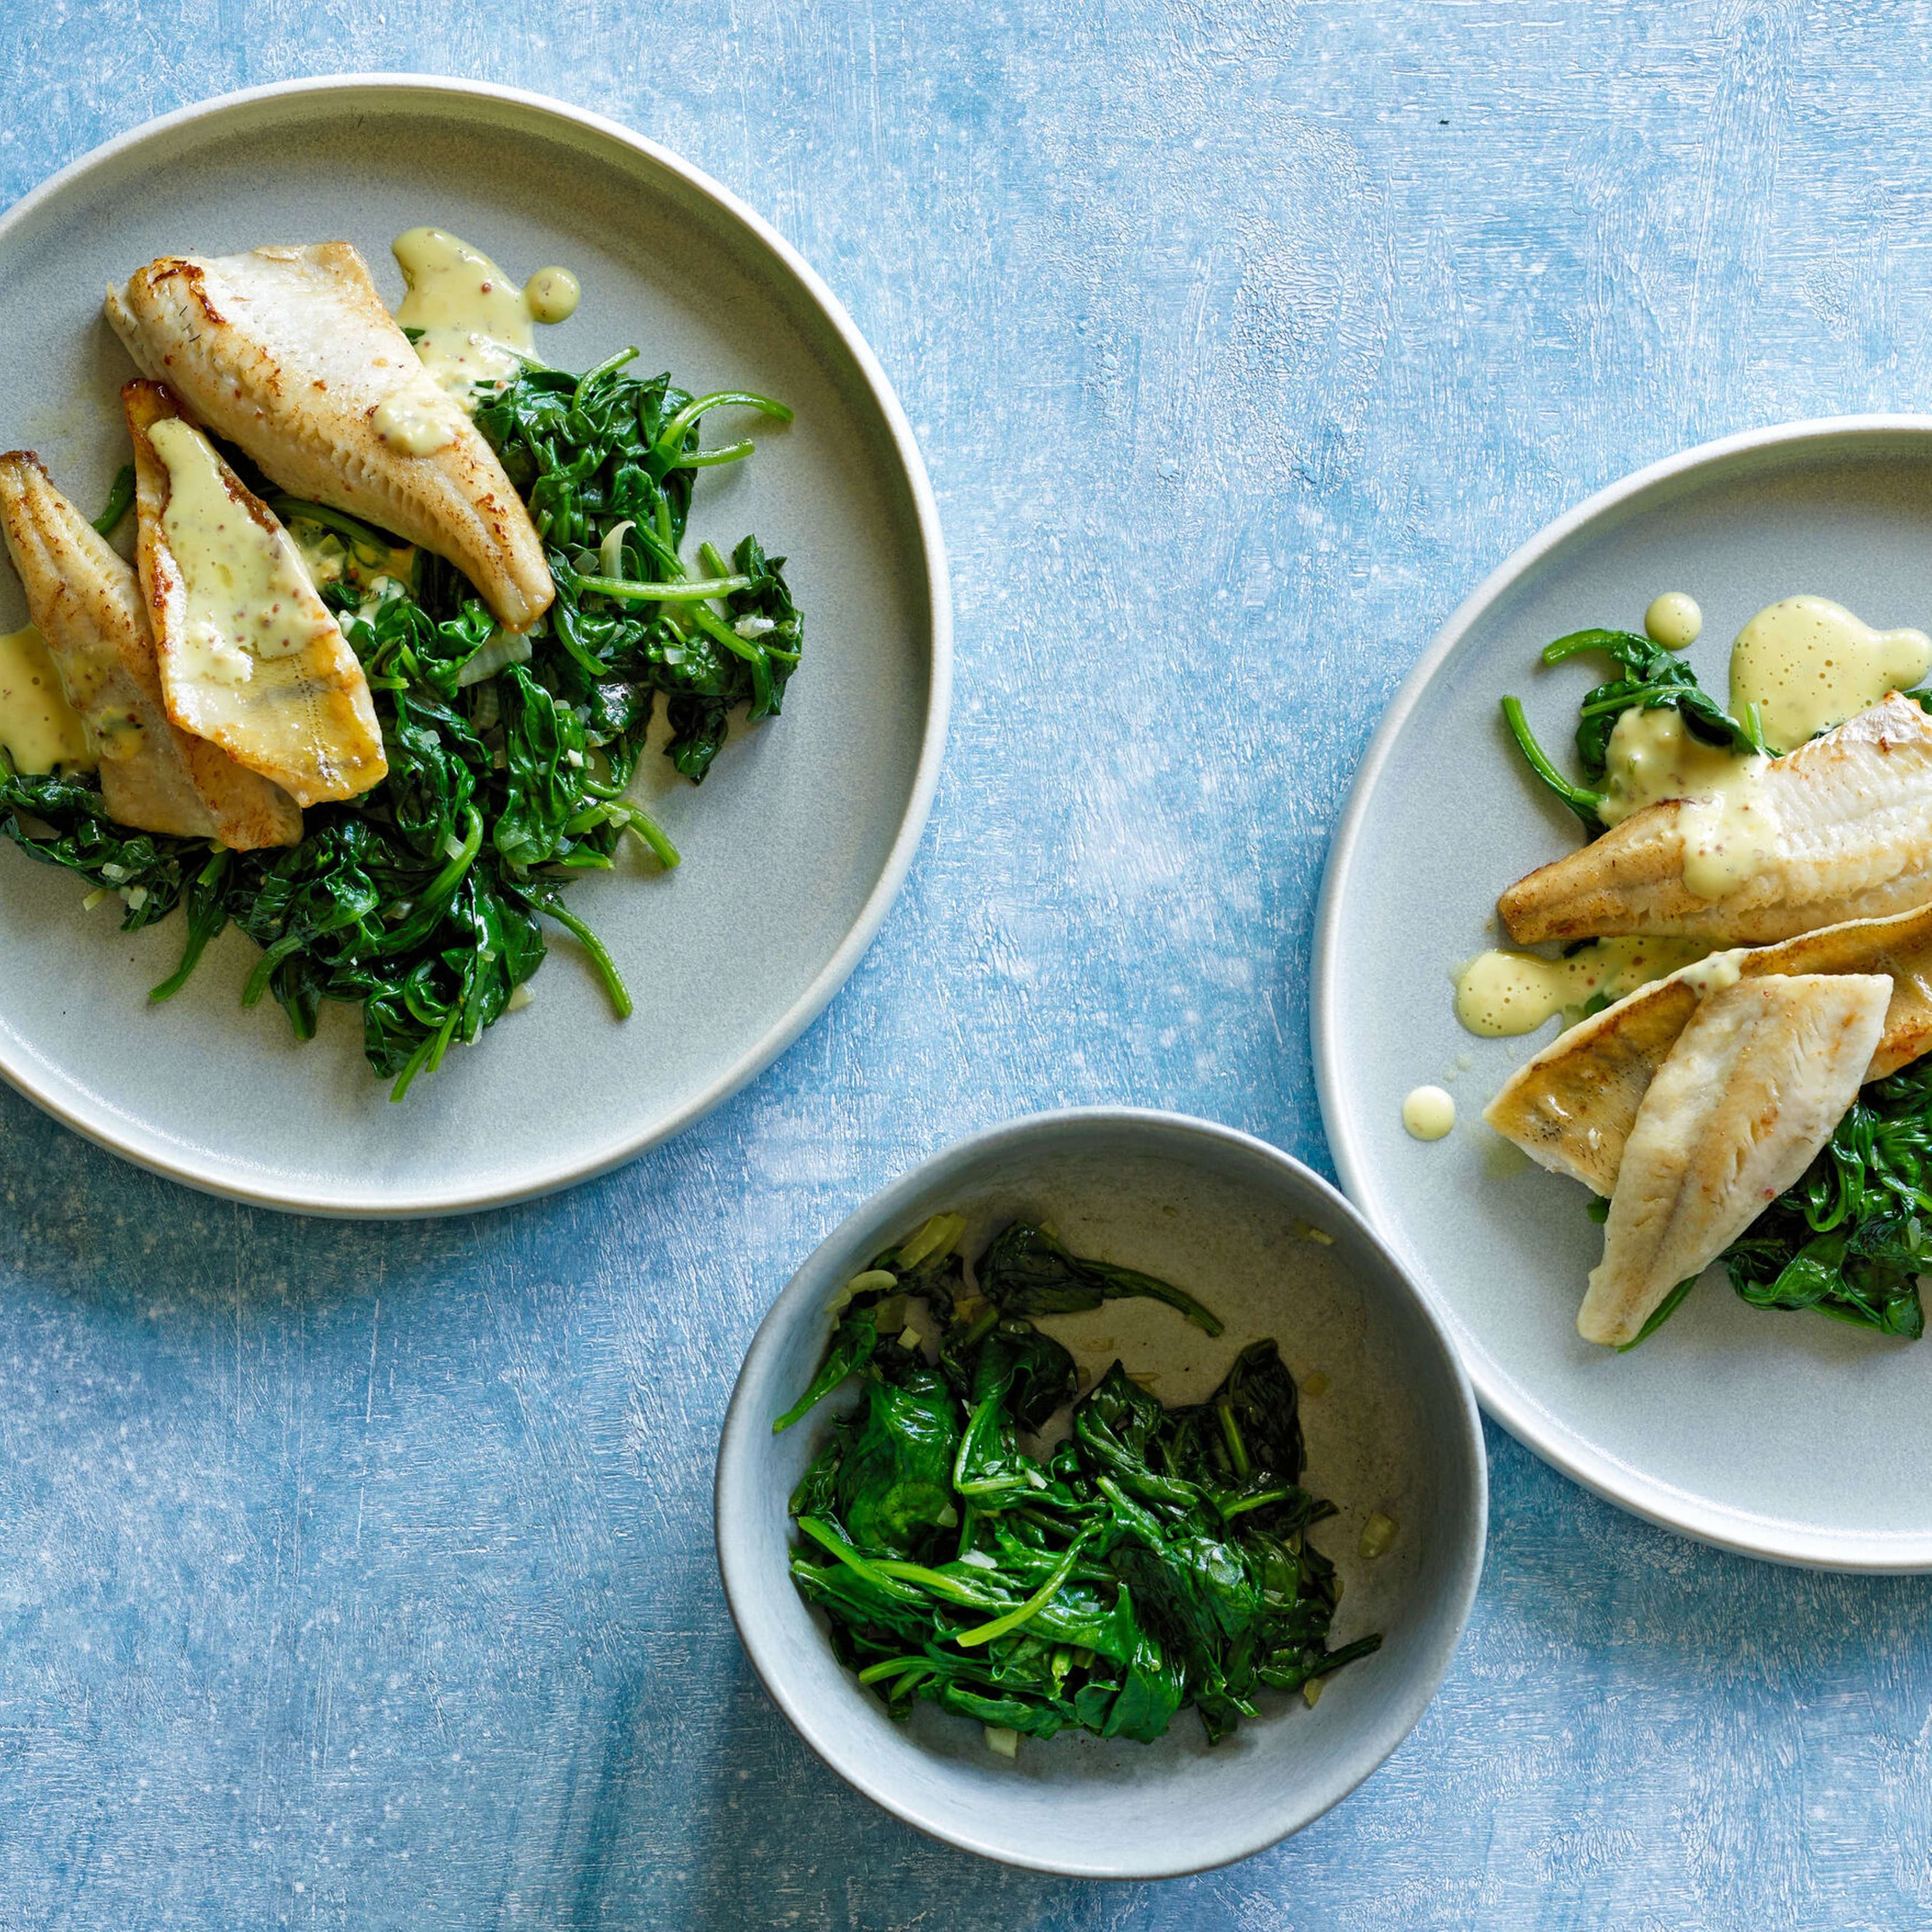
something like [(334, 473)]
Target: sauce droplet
[(552, 295), (1674, 620), (1429, 1113)]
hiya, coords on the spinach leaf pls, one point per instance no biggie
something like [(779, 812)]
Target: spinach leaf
[(1652, 677), (1027, 1271), (895, 1480), (1851, 1239)]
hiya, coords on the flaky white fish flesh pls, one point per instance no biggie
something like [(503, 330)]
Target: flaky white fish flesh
[(288, 352), (299, 712), (85, 602), (1854, 812), (1751, 1090)]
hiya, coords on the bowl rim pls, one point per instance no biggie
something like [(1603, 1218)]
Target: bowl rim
[(1509, 1402), (341, 94), (742, 1428)]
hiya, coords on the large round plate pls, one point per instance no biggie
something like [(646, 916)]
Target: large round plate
[(1786, 1436), (794, 847)]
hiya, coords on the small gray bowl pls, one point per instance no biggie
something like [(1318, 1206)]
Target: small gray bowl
[(1390, 1423)]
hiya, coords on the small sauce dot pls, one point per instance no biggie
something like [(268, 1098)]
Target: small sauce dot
[(552, 295), (1673, 620), (1429, 1113)]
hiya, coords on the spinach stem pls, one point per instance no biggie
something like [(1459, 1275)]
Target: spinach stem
[(693, 591), (613, 980), (665, 449), (1587, 805), (120, 500), (1031, 1608), (654, 835), (828, 1538), (608, 366)]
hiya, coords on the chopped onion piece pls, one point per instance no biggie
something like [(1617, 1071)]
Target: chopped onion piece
[(499, 649), (610, 551), (1377, 1533)]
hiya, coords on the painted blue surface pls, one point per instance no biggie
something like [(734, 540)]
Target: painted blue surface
[(361, 1576)]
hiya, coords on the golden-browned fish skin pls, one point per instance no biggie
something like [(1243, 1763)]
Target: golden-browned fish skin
[(1752, 1089), (288, 352), (1571, 1107), (1854, 810), (85, 602), (305, 720)]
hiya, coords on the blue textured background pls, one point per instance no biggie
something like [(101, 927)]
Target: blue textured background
[(362, 1577)]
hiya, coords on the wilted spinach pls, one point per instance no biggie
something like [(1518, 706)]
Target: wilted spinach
[(508, 756), (1651, 677), (1852, 1237), (1158, 1558)]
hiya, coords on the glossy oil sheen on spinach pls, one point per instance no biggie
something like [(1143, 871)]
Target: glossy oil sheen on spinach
[(422, 901), (1158, 1558)]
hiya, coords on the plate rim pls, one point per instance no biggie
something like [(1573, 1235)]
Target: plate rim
[(1507, 1403), (105, 1127)]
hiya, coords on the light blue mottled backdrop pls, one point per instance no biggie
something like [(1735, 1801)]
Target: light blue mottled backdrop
[(362, 1577)]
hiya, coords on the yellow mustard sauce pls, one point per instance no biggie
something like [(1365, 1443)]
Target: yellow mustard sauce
[(41, 731), (477, 325), (1730, 822), (249, 602), (1808, 664), (1500, 994)]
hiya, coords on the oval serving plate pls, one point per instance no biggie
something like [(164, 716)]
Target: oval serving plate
[(794, 848), (1777, 1435)]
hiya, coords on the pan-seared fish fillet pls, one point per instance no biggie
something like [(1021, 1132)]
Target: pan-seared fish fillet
[(1571, 1107), (85, 602), (290, 354), (1752, 1089), (1854, 811), (251, 658)]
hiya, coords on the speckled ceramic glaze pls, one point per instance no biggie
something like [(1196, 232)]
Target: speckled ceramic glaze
[(1759, 1432), (1394, 1429), (796, 843)]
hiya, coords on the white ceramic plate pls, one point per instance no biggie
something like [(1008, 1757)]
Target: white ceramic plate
[(1787, 1436), (793, 847)]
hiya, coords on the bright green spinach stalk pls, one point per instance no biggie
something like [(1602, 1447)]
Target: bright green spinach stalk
[(1157, 1558), (508, 756)]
